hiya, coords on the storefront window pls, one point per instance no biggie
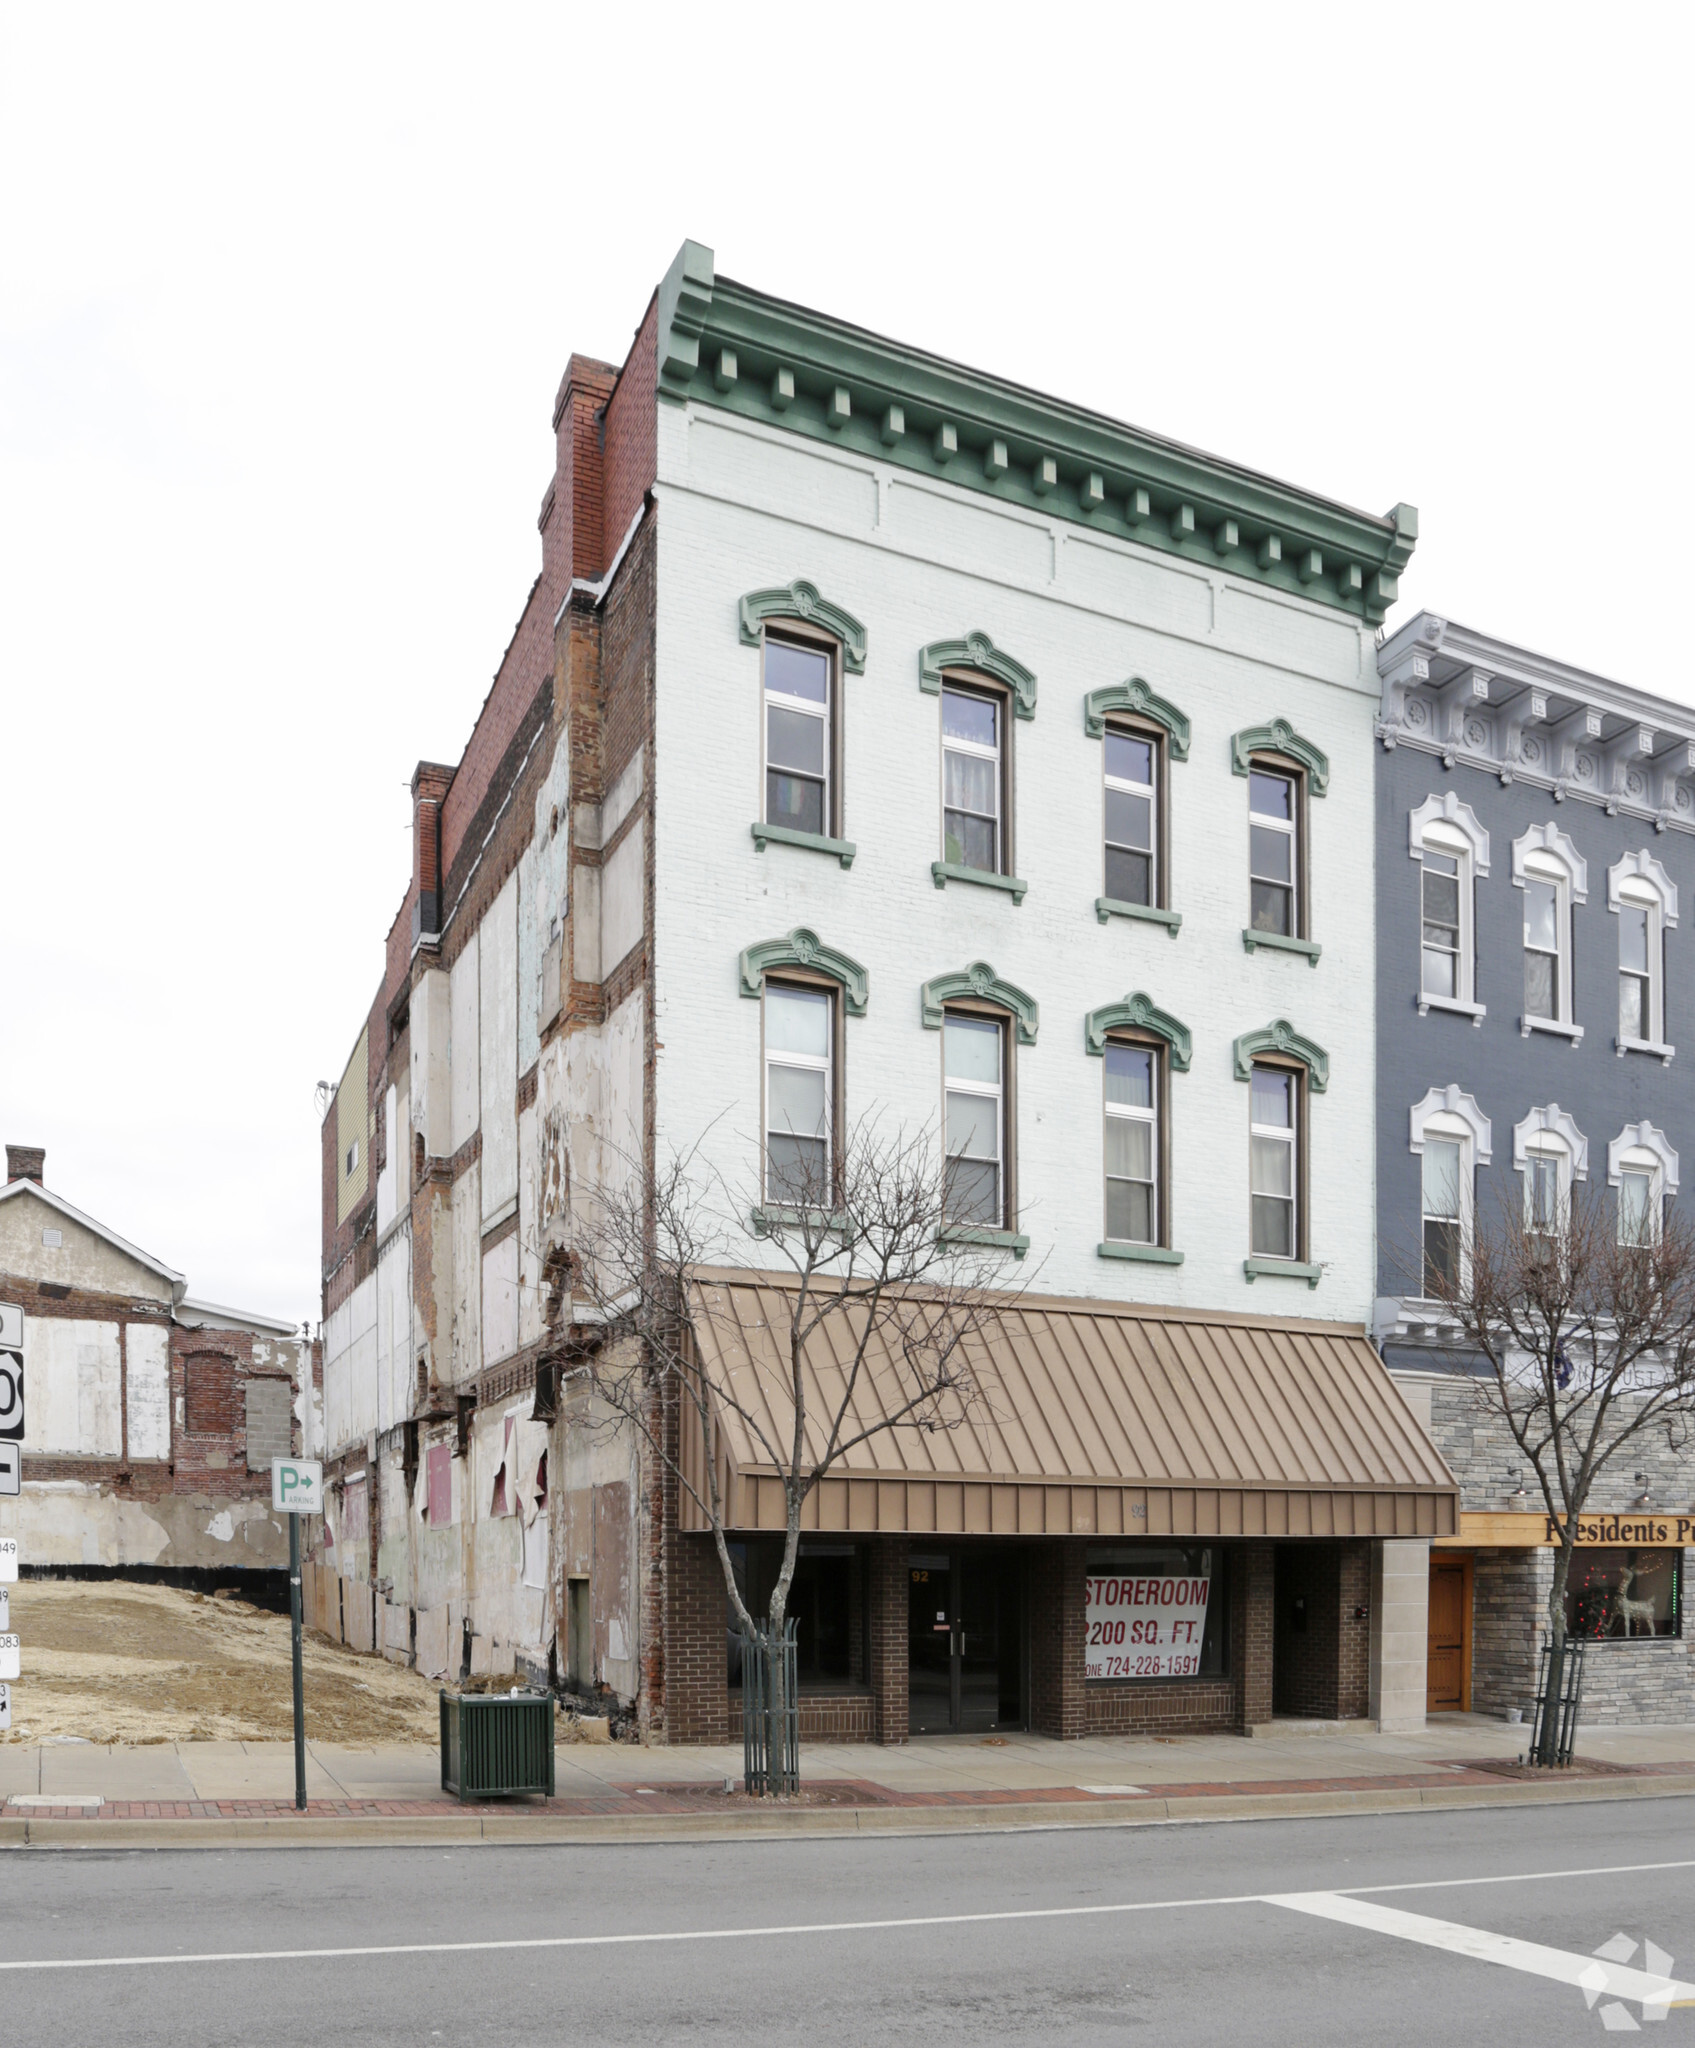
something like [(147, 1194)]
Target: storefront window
[(1156, 1612), (1634, 1594), (827, 1603)]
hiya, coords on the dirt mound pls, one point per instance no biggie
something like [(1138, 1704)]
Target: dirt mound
[(110, 1662)]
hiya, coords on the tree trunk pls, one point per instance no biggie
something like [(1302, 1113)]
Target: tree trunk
[(1548, 1740)]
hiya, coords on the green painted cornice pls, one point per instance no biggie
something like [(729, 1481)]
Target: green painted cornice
[(1135, 696), (801, 948), (979, 981), (1280, 737), (1282, 1037), (1137, 1012), (723, 344), (802, 601), (977, 651)]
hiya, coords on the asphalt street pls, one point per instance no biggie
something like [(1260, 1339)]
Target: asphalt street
[(1431, 1927)]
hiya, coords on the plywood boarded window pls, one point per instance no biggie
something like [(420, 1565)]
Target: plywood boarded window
[(208, 1394), (270, 1422), (439, 1485)]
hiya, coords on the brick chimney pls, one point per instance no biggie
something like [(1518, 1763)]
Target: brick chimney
[(430, 781), (26, 1162)]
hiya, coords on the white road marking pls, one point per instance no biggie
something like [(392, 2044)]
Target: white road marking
[(658, 1937), (1592, 1975)]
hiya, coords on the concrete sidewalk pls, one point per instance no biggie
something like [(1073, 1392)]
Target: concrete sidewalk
[(212, 1791)]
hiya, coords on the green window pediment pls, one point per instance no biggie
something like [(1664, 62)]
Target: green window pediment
[(1138, 1012), (1282, 1037), (803, 601), (977, 651), (980, 982), (803, 948), (1135, 696), (1280, 737)]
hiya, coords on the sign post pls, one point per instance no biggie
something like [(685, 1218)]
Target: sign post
[(297, 1488)]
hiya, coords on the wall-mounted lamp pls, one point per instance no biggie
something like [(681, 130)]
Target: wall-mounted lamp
[(1645, 1499)]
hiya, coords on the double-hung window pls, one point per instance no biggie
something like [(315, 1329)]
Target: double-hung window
[(1441, 886), (1637, 1205), (974, 781), (1132, 1144), (800, 1095), (1274, 815), (1640, 951), (1544, 933), (1444, 1214), (799, 737), (1544, 1188), (1274, 1172), (974, 1112), (1132, 819)]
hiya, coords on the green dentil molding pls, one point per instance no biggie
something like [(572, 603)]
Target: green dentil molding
[(1282, 1037), (1280, 737), (726, 345), (980, 981), (802, 601), (803, 948), (1138, 1012), (1135, 696), (977, 651)]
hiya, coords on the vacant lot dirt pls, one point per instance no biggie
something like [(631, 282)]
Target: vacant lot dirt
[(132, 1663)]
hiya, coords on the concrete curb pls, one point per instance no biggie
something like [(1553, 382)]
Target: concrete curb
[(586, 1831)]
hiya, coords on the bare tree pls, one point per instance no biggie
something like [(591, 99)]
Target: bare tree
[(868, 1249), (1590, 1343)]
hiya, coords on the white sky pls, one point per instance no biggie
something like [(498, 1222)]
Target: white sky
[(286, 294)]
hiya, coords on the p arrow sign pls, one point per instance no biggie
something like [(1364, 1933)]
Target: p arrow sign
[(297, 1486)]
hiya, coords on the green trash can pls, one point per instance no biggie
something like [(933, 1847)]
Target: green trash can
[(495, 1745)]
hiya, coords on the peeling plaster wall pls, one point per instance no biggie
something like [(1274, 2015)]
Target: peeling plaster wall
[(500, 1299), (466, 1000), (429, 1098), (465, 1356), (350, 1368), (147, 1375), (497, 947), (70, 1522), (393, 1362), (73, 1376), (530, 1238), (543, 874)]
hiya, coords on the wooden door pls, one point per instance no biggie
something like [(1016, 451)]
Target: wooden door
[(1448, 1667)]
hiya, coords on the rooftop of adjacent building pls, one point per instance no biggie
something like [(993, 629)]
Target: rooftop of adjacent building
[(26, 1167)]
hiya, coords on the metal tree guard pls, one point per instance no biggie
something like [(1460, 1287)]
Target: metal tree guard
[(1566, 1709), (770, 1733)]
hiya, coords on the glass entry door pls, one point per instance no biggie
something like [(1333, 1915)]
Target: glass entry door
[(965, 1627)]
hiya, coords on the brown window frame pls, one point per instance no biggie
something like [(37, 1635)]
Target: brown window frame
[(973, 683), (813, 984), (991, 1013), (1303, 1165), (1156, 736), (796, 633), (1291, 771), (1145, 1041)]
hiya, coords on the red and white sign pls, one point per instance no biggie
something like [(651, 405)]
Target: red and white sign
[(1144, 1627)]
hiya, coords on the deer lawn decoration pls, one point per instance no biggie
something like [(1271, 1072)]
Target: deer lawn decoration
[(1629, 1611)]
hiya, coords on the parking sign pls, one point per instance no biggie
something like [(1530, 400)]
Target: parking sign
[(297, 1486)]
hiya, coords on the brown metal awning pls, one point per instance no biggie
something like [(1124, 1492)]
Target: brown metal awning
[(1094, 1420)]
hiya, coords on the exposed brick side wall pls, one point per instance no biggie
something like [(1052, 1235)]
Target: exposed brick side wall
[(1353, 1683), (1323, 1671), (631, 436)]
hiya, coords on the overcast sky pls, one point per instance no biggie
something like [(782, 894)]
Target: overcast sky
[(284, 302)]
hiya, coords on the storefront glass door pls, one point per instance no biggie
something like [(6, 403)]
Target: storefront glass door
[(965, 1622)]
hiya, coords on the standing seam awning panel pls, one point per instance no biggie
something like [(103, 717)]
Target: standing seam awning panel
[(1076, 1398)]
